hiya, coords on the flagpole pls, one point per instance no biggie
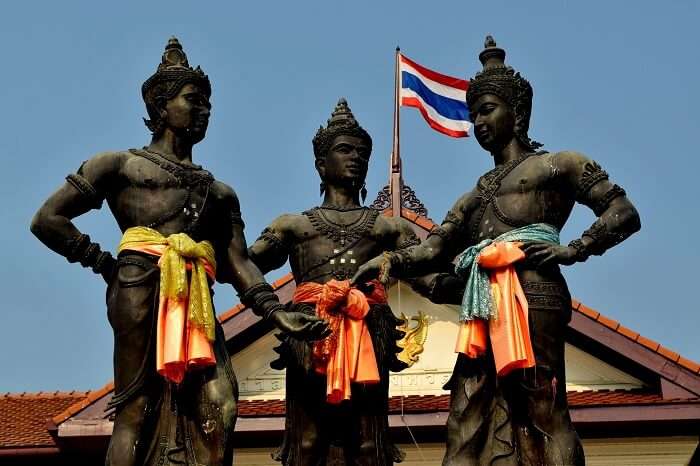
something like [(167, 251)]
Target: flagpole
[(396, 178)]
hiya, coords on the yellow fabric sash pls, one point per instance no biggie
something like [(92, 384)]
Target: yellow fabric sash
[(177, 252)]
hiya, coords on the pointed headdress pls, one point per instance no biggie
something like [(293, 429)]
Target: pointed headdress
[(503, 81), (341, 123), (173, 72)]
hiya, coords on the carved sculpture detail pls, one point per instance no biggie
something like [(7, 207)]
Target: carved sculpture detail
[(414, 339)]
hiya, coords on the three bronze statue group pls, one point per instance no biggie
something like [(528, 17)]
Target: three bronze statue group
[(497, 254)]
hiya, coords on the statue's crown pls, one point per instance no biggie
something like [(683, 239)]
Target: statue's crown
[(498, 78), (341, 122), (503, 81), (175, 72)]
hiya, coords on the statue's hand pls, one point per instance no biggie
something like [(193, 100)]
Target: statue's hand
[(301, 326), (379, 267), (544, 254)]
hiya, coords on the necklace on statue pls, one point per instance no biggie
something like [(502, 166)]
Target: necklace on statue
[(342, 233), (187, 166), (340, 208)]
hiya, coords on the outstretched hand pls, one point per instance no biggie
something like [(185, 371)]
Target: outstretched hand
[(301, 326), (543, 254), (379, 268)]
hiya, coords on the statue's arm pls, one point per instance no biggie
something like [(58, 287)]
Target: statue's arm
[(441, 246), (617, 216), (240, 271), (441, 287), (84, 190), (271, 250)]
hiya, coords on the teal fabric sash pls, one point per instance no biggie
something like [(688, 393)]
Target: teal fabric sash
[(477, 302)]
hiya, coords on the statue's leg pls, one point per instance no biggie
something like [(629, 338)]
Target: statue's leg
[(207, 404), (366, 433), (366, 428), (478, 425), (131, 306), (307, 427), (553, 439), (126, 446)]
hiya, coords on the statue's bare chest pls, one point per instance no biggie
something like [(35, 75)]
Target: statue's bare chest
[(332, 245), (162, 195), (516, 194)]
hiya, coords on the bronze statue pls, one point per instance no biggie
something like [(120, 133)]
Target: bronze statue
[(174, 389), (508, 390), (337, 388)]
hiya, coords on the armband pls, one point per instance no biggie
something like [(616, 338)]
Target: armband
[(604, 202), (236, 218), (592, 174), (87, 191)]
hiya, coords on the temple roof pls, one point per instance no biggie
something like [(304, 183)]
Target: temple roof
[(36, 420)]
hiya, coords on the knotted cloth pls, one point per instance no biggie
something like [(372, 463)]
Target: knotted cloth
[(347, 354), (494, 297), (186, 325)]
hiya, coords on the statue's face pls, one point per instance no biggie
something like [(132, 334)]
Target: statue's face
[(494, 122), (346, 162), (188, 112)]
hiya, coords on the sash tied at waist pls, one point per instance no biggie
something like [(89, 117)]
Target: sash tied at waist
[(494, 306), (347, 354), (186, 323)]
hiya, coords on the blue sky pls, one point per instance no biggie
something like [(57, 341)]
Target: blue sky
[(614, 80)]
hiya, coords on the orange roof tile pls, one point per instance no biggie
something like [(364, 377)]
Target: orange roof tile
[(636, 337), (83, 403), (585, 310), (409, 215), (688, 364), (629, 333), (23, 417), (431, 403)]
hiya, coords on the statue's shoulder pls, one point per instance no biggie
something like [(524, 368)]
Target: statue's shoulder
[(575, 166), (392, 223), (222, 191), (290, 225), (103, 164), (567, 159), (466, 202)]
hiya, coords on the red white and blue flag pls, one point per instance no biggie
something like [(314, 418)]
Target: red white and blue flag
[(440, 98)]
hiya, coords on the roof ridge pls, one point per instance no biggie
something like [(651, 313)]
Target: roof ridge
[(630, 334), (44, 394), (82, 404), (279, 283)]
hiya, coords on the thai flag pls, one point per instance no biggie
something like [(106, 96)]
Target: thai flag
[(440, 98)]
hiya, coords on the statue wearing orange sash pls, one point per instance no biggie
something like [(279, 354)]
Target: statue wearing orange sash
[(175, 392), (508, 401), (337, 388)]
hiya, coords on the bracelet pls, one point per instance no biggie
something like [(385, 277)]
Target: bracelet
[(581, 251)]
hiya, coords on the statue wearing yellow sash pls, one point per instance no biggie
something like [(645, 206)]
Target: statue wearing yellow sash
[(174, 388)]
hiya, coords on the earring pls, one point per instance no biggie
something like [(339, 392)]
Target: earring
[(323, 188), (363, 192)]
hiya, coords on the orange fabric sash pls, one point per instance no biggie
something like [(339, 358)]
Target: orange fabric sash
[(509, 331), (180, 346), (347, 355)]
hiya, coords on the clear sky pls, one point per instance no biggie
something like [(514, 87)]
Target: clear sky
[(617, 81)]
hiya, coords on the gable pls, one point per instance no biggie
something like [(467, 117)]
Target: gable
[(585, 371)]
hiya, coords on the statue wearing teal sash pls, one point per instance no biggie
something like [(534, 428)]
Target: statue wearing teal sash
[(508, 400)]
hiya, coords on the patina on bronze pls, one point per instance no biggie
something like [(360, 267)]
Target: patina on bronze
[(521, 418), (157, 422), (328, 243)]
